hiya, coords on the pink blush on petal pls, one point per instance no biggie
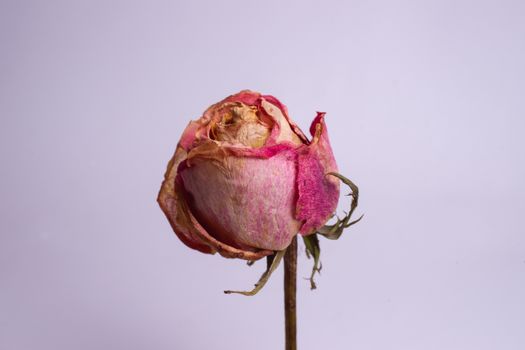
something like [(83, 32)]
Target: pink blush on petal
[(317, 196), (247, 202), (318, 192)]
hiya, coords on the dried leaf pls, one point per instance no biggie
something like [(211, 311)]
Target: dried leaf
[(273, 262), (334, 231), (312, 248)]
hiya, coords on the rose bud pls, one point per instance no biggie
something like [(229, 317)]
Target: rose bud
[(244, 179)]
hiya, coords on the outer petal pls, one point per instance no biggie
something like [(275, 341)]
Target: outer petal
[(169, 203), (184, 215), (172, 200), (229, 194), (318, 193)]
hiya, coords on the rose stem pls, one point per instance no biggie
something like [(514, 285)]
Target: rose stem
[(290, 288)]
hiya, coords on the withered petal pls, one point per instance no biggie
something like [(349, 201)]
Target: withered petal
[(318, 193), (169, 203), (172, 201)]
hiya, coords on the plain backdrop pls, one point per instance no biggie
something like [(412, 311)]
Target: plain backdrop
[(425, 110)]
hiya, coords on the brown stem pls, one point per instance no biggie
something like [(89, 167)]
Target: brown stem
[(290, 288)]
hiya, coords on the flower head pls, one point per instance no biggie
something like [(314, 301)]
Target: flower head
[(244, 179)]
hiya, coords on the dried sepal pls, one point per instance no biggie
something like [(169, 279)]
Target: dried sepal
[(334, 231), (313, 250), (272, 262)]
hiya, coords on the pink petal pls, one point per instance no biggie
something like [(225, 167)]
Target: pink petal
[(318, 192), (169, 203), (172, 200), (246, 202), (194, 226)]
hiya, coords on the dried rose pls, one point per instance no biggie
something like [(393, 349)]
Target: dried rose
[(244, 179)]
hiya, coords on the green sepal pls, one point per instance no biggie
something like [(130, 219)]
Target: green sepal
[(272, 262), (334, 231), (313, 250)]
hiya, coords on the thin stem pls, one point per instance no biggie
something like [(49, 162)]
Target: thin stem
[(290, 289)]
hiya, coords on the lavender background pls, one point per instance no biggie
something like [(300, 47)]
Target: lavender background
[(425, 103)]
